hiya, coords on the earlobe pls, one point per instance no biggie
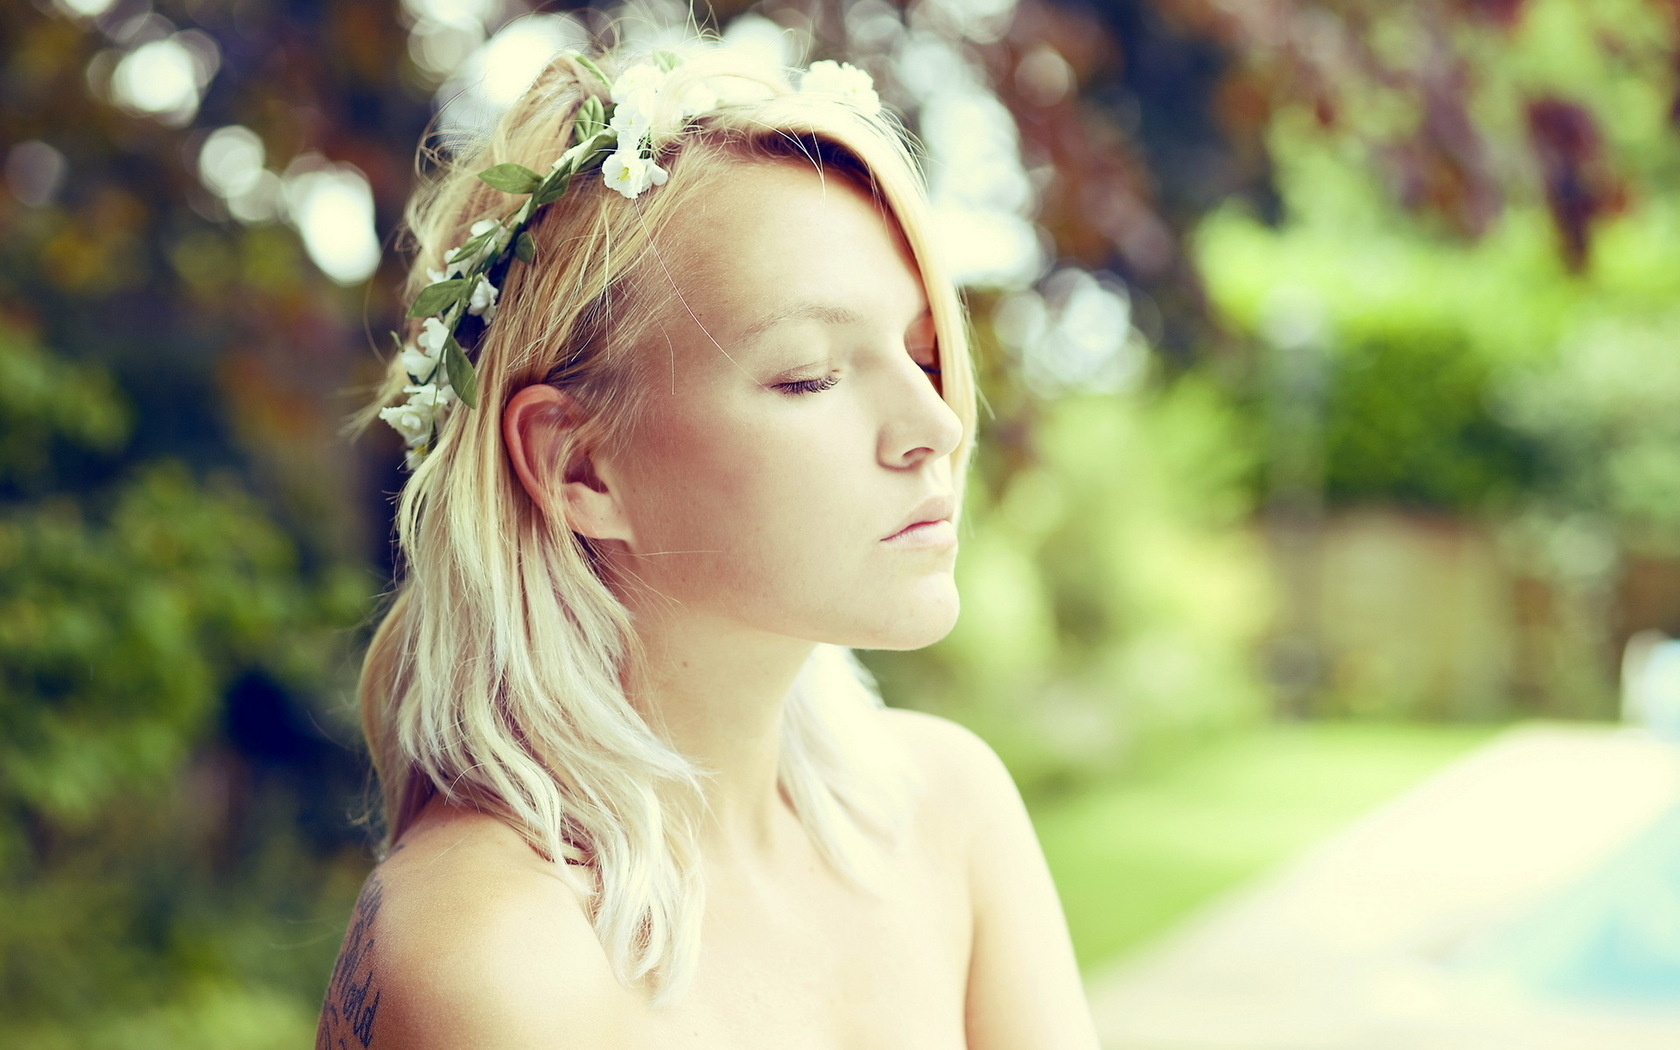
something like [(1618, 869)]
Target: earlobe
[(546, 431)]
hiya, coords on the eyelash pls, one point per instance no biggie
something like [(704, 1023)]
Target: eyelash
[(827, 382), (809, 386)]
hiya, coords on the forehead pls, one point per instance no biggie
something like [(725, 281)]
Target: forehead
[(781, 240)]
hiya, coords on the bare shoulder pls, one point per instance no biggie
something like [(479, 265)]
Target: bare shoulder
[(967, 782), (1023, 982), (463, 935), (934, 736)]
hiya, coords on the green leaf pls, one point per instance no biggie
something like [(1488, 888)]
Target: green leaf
[(605, 141), (666, 60), (593, 68), (460, 372), (473, 246), (591, 120), (526, 248), (554, 187), (511, 178), (436, 298)]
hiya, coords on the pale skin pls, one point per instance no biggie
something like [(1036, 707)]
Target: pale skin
[(754, 507)]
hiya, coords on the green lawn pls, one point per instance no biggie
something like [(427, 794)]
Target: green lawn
[(1135, 857)]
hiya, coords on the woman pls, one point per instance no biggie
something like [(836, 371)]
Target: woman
[(688, 407)]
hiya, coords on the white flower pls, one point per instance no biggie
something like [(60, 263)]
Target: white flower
[(414, 457), (417, 363), (433, 335), (434, 276), (413, 422), (426, 405), (645, 104), (421, 361), (845, 80), (623, 172), (482, 303), (430, 396), (630, 173), (631, 124), (638, 84)]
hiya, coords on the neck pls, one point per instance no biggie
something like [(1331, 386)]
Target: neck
[(717, 693)]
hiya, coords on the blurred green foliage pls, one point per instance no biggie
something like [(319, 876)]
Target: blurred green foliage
[(1408, 419), (1604, 411), (1471, 377), (46, 402), (132, 613), (1514, 380), (1490, 373)]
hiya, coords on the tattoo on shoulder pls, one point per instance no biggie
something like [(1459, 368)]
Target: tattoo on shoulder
[(353, 994)]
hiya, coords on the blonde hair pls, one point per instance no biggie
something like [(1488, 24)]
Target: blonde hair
[(496, 678)]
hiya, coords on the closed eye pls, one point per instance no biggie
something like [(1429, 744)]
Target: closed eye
[(818, 385), (808, 386)]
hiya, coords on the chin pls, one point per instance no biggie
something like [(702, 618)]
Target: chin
[(917, 624)]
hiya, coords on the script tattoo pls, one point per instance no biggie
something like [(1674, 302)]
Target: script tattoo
[(352, 998)]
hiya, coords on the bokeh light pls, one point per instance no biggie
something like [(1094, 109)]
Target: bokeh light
[(332, 208), (85, 8), (34, 172), (496, 72), (166, 78)]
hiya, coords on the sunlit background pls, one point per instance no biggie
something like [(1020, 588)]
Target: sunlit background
[(1322, 553)]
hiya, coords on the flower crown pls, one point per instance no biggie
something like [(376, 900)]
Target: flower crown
[(616, 136)]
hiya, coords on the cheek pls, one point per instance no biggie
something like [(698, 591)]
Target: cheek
[(770, 491), (723, 479)]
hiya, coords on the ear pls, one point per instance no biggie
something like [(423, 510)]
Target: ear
[(544, 429)]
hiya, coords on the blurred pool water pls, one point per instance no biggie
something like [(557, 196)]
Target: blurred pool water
[(1613, 937)]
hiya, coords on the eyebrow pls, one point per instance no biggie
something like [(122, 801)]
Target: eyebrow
[(801, 311), (808, 309)]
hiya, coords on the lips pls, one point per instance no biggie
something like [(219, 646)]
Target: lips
[(932, 509)]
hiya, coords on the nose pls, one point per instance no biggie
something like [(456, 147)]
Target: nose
[(918, 425)]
